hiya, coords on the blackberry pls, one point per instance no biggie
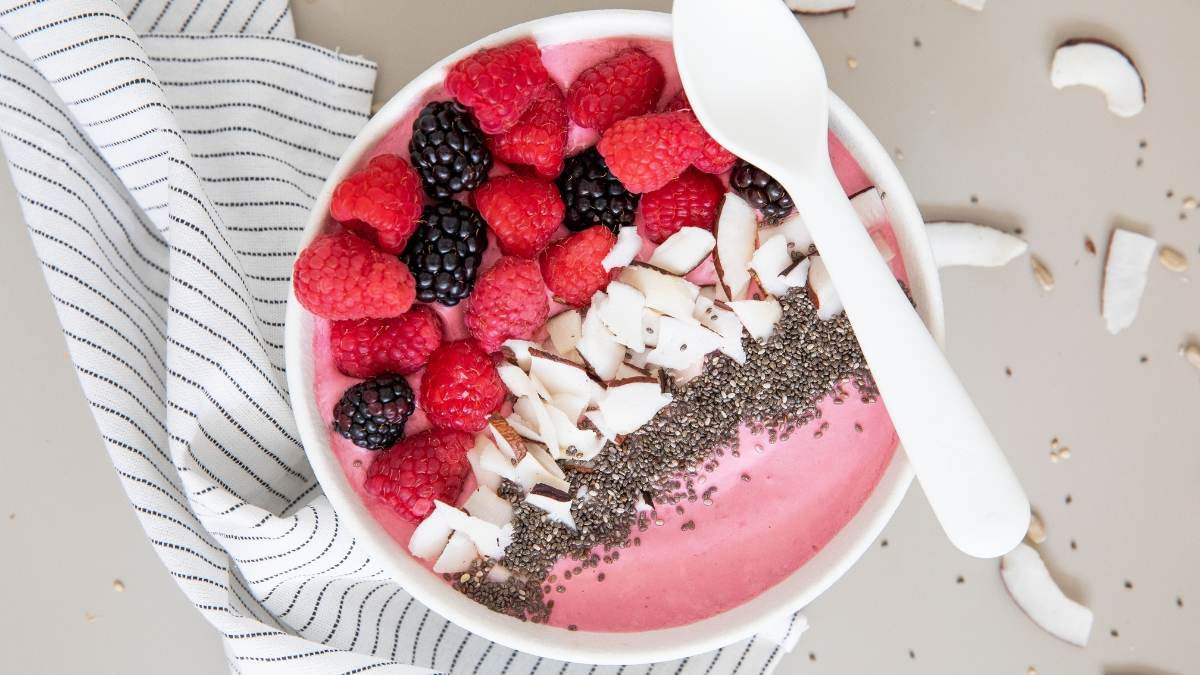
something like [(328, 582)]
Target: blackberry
[(593, 196), (760, 191), (372, 413), (448, 150), (445, 251)]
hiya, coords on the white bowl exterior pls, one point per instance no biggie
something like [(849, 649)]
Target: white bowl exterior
[(790, 594)]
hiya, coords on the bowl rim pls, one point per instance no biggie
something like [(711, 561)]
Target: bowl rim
[(761, 612)]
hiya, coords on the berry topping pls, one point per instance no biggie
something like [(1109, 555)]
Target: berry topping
[(649, 151), (509, 302), (341, 276), (499, 84), (523, 212), (410, 476), (760, 191), (539, 138), (460, 387), (369, 347), (372, 414), (593, 196), (627, 83), (445, 252), (448, 150), (692, 200), (388, 241), (571, 266), (713, 158), (385, 194)]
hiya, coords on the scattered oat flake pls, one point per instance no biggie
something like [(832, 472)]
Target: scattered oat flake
[(1172, 259), (1192, 354), (89, 617), (1042, 274), (118, 585), (851, 62), (1125, 268), (1190, 203), (1037, 529)]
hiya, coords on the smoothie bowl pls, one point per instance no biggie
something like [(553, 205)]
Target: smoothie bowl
[(574, 372)]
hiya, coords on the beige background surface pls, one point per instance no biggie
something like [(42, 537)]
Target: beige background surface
[(964, 99)]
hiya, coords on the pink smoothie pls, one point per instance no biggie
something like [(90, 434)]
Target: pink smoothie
[(798, 495)]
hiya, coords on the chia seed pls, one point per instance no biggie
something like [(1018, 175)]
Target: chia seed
[(775, 392)]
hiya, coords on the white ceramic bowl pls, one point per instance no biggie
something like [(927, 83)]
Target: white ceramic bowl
[(793, 592)]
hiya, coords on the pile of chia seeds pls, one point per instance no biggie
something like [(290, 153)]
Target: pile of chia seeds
[(775, 391)]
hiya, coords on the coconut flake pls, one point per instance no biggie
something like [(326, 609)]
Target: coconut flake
[(736, 230), (558, 375), (628, 244), (483, 477), (458, 555), (549, 499), (601, 351), (530, 472), (1129, 256), (486, 504), (565, 329), (629, 404), (683, 251), (430, 537), (722, 321), (1095, 63), (758, 316), (517, 352), (620, 311), (976, 5), (824, 295), (681, 344), (958, 243), (490, 539), (769, 262), (664, 292), (868, 204), (1033, 589)]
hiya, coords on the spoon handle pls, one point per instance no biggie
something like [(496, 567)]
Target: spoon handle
[(963, 472)]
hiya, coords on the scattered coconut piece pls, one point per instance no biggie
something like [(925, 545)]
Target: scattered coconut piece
[(596, 419), (574, 442), (530, 472), (1172, 259), (534, 410), (868, 204), (819, 6), (796, 230), (683, 251), (650, 321), (486, 504), (629, 404), (959, 243), (620, 310), (565, 329), (797, 275), (494, 460), (822, 291), (664, 292), (736, 231), (491, 540), (1095, 63), (601, 351), (1037, 529), (769, 262), (758, 316), (1128, 261), (626, 248), (976, 5), (457, 556), (1042, 273), (571, 405), (517, 381), (1192, 353), (1033, 589)]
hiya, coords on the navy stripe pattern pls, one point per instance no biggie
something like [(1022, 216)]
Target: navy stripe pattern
[(166, 153)]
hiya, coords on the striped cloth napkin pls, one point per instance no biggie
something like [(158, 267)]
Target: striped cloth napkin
[(166, 153)]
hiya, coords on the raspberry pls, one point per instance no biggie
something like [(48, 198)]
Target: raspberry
[(341, 276), (523, 212), (386, 240), (369, 347), (625, 84), (460, 387), (509, 302), (571, 266), (539, 138), (714, 158), (416, 471), (647, 152), (498, 84), (385, 194), (692, 200), (372, 414)]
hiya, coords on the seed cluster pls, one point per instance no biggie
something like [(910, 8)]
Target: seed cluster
[(661, 464)]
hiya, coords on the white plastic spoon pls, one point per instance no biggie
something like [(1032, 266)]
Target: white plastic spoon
[(757, 85)]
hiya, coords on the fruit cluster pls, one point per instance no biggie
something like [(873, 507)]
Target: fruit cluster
[(488, 169)]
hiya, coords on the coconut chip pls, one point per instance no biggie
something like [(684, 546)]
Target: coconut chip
[(1103, 66), (819, 6), (1035, 592), (959, 243), (1129, 256)]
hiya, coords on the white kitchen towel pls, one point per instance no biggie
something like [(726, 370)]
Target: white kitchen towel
[(166, 153)]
